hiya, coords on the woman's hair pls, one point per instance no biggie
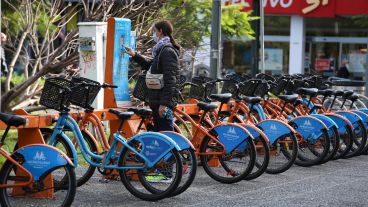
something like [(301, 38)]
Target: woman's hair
[(167, 30)]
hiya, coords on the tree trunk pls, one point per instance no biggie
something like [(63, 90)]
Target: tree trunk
[(14, 60)]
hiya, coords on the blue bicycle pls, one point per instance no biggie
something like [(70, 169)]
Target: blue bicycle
[(145, 161)]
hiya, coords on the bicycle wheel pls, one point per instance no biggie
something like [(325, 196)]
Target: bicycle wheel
[(262, 158), (313, 152), (189, 161), (26, 196), (262, 150), (227, 168), (164, 177), (84, 171), (359, 139), (334, 144), (283, 153), (345, 142)]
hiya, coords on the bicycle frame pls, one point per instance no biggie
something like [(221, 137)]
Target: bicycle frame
[(199, 132), (66, 120)]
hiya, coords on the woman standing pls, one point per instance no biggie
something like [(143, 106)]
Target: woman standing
[(165, 61)]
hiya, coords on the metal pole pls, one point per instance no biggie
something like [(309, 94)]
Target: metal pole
[(215, 38), (255, 43), (262, 36)]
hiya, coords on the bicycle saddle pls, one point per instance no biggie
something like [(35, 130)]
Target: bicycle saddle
[(307, 91), (122, 114), (206, 106), (347, 94), (252, 100), (325, 92), (338, 93), (12, 120), (223, 98), (142, 112), (289, 98), (354, 97)]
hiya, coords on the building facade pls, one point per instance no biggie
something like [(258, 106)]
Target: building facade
[(316, 36)]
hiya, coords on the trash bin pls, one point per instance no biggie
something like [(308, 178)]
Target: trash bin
[(347, 84)]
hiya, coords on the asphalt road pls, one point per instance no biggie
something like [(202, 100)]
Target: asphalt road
[(336, 183)]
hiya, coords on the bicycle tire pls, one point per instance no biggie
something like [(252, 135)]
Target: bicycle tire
[(7, 169), (125, 175), (262, 149), (233, 175), (358, 143), (317, 157), (346, 142), (334, 145), (290, 157), (260, 165)]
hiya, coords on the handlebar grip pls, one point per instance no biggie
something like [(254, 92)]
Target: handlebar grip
[(106, 85)]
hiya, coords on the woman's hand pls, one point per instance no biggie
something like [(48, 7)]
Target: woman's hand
[(130, 51), (161, 111)]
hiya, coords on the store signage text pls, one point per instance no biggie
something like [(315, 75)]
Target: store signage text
[(309, 8)]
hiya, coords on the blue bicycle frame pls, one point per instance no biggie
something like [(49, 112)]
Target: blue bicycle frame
[(152, 151)]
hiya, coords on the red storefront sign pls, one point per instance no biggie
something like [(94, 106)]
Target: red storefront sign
[(308, 8), (322, 64)]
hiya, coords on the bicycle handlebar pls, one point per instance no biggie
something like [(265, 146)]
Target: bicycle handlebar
[(106, 85)]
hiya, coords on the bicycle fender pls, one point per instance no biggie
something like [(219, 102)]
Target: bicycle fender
[(180, 140), (365, 110), (362, 115), (255, 132), (232, 136), (40, 159), (352, 117), (326, 120), (155, 146), (275, 129), (309, 127), (341, 122)]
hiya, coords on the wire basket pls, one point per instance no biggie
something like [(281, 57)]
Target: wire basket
[(230, 86), (56, 93), (141, 91), (198, 92), (281, 85), (293, 85), (251, 88), (83, 95)]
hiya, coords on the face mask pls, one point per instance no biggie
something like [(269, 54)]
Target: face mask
[(154, 37)]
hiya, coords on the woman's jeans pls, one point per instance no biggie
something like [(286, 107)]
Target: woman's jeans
[(162, 124)]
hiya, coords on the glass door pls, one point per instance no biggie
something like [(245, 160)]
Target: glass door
[(324, 58)]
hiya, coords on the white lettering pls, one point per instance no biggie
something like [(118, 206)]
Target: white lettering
[(286, 5)]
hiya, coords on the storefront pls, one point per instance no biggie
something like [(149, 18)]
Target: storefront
[(317, 36)]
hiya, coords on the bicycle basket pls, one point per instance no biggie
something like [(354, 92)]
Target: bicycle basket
[(247, 88), (198, 92), (83, 95), (281, 85), (293, 85), (262, 89), (140, 90), (230, 85), (55, 93)]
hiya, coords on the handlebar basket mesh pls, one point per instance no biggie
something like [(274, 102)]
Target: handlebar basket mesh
[(141, 91), (56, 93), (84, 91), (281, 85), (198, 92), (230, 86), (293, 85)]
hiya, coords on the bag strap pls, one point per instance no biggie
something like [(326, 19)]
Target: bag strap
[(159, 55)]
